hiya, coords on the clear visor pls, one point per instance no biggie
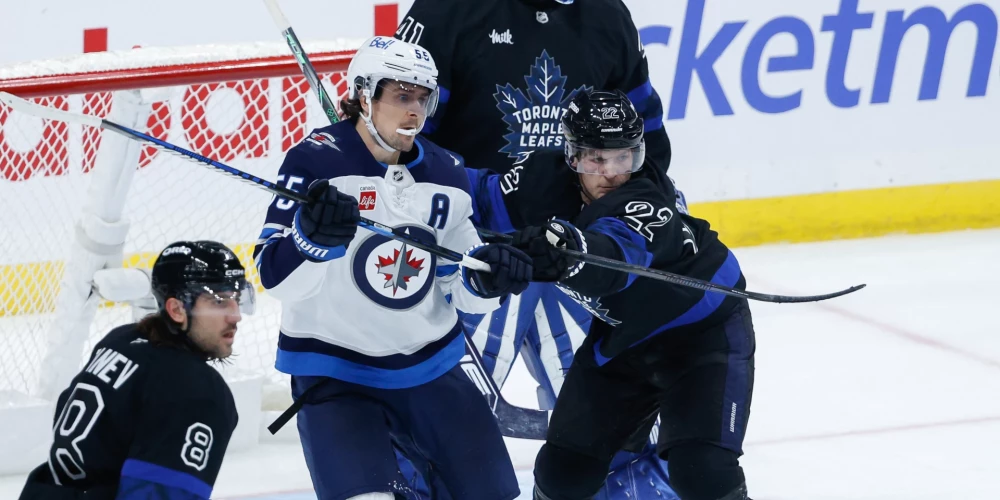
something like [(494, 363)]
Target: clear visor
[(606, 162), (221, 300), (409, 97)]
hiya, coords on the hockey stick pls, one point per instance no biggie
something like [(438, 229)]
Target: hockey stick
[(678, 279), (300, 57), (65, 116), (310, 73), (514, 421), (708, 286)]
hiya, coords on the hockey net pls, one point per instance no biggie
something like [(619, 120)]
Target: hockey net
[(242, 105)]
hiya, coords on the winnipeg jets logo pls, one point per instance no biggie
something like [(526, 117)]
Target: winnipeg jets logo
[(533, 120), (399, 268), (394, 275)]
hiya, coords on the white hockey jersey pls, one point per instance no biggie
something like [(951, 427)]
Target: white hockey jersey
[(381, 314)]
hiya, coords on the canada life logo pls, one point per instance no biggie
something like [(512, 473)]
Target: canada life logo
[(366, 200)]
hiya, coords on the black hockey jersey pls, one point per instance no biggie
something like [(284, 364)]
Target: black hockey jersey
[(139, 421), (638, 223), (508, 68)]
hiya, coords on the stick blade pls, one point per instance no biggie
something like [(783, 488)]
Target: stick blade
[(796, 299), (522, 423)]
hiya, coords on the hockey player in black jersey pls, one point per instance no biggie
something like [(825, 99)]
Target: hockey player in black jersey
[(655, 347), (508, 69), (147, 417)]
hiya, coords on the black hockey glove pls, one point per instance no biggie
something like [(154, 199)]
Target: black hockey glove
[(542, 243), (326, 225), (511, 271)]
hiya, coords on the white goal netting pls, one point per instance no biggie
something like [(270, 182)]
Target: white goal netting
[(244, 106)]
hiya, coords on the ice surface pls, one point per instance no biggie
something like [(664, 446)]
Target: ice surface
[(891, 393)]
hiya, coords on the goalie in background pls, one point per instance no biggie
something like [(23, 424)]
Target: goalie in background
[(148, 417)]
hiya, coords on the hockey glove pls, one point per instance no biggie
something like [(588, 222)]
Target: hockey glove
[(511, 271), (542, 243), (326, 225)]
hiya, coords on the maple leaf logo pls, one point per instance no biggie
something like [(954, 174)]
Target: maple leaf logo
[(398, 271), (533, 120)]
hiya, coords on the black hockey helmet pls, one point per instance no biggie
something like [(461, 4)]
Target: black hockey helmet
[(603, 120), (187, 269)]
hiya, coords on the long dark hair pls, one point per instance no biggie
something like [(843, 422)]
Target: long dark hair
[(350, 108), (159, 331)]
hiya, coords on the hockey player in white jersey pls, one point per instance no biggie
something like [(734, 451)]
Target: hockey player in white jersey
[(369, 331)]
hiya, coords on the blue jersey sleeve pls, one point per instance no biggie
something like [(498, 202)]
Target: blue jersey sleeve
[(276, 255), (488, 207), (632, 77)]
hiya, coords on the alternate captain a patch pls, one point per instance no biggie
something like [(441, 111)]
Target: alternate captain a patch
[(394, 274)]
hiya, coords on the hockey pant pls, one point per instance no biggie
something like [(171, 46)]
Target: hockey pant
[(547, 326)]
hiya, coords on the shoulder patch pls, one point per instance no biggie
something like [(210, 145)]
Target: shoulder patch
[(322, 139)]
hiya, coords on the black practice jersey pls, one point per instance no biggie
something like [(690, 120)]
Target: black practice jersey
[(639, 223), (139, 417), (508, 68)]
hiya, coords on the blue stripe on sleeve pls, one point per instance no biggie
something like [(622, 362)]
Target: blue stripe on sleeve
[(488, 207), (728, 274), (652, 124), (446, 270), (268, 232), (632, 245), (647, 102), (277, 261), (639, 95), (138, 469)]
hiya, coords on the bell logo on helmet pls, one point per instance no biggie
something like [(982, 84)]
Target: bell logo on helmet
[(173, 250), (381, 42)]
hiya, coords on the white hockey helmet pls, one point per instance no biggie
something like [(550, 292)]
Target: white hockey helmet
[(384, 59)]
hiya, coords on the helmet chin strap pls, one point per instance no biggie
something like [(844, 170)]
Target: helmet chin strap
[(371, 125)]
